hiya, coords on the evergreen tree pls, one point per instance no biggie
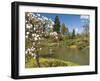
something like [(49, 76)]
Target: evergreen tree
[(56, 25), (73, 33)]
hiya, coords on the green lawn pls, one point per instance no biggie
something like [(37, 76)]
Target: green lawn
[(48, 62)]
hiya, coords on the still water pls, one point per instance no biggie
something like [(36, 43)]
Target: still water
[(74, 55)]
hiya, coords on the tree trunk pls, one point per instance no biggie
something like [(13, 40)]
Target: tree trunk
[(37, 60)]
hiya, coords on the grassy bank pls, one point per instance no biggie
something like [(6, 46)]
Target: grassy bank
[(48, 62)]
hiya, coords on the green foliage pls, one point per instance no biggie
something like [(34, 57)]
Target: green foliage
[(86, 28), (56, 25), (64, 29), (80, 42), (73, 34), (49, 62)]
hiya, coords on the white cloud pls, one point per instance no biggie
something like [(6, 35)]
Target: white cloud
[(84, 17), (38, 15)]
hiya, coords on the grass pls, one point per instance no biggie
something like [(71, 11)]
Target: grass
[(48, 62)]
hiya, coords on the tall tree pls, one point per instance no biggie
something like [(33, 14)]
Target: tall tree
[(73, 33), (56, 25), (86, 29), (64, 29)]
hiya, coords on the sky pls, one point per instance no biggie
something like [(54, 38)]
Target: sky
[(70, 20)]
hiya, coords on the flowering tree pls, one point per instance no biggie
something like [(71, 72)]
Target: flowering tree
[(37, 27)]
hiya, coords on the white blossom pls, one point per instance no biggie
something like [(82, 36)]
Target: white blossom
[(28, 49), (42, 32), (34, 28), (35, 38), (33, 43), (28, 26), (53, 33), (56, 37), (37, 31), (37, 35), (32, 49), (39, 38), (34, 55), (38, 42), (26, 36), (40, 48), (27, 32), (29, 14), (34, 35), (26, 52), (26, 21), (45, 18), (51, 26)]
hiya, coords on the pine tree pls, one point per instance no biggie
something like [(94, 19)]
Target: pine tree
[(56, 25), (73, 33)]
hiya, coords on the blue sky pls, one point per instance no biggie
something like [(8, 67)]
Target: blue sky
[(71, 21)]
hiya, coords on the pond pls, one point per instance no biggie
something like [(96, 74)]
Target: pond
[(74, 55)]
